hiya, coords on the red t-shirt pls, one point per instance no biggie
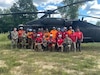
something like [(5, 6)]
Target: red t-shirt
[(51, 41), (73, 37), (59, 33), (38, 40), (79, 35), (34, 36), (20, 32), (64, 34), (60, 41), (41, 34)]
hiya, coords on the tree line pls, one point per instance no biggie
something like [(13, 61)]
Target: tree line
[(9, 21)]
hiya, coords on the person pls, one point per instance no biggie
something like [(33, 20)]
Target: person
[(20, 32), (67, 43), (51, 43), (34, 37), (60, 43), (79, 35), (44, 44), (54, 33), (38, 43), (64, 33), (46, 34), (69, 32), (74, 40), (59, 32), (24, 36), (40, 31), (30, 37), (14, 38)]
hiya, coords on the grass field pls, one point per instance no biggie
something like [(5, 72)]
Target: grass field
[(27, 62)]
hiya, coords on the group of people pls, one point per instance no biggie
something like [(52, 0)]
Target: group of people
[(55, 39)]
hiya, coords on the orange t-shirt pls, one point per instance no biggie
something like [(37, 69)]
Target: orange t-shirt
[(30, 35), (54, 33), (69, 32), (47, 35), (20, 32)]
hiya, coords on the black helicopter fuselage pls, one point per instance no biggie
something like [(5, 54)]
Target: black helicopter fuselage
[(91, 32)]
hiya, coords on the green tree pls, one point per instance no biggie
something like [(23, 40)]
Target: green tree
[(70, 12), (98, 23), (6, 22), (23, 6)]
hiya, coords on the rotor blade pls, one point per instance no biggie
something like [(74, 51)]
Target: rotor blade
[(73, 4), (15, 13), (89, 16), (52, 11)]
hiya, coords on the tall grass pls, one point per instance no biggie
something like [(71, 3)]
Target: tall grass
[(4, 41)]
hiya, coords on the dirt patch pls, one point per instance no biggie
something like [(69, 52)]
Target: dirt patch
[(98, 62), (46, 65), (90, 56), (22, 61), (5, 52), (2, 63), (16, 71)]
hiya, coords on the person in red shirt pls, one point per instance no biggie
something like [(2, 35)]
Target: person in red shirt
[(60, 42), (74, 40), (51, 43), (38, 43), (40, 32), (64, 33), (79, 35), (59, 32)]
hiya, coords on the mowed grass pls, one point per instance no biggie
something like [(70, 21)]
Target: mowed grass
[(28, 62)]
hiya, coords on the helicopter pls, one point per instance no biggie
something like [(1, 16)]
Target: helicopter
[(91, 32)]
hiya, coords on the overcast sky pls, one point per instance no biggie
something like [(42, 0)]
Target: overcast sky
[(90, 8)]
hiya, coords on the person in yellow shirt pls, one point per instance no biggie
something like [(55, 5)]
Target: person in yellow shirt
[(54, 33)]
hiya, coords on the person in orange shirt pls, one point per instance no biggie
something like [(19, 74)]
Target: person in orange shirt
[(20, 34), (54, 33), (30, 37), (69, 32), (46, 34)]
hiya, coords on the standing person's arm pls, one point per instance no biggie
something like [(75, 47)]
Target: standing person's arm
[(16, 35), (82, 38)]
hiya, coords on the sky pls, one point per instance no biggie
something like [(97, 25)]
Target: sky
[(89, 8)]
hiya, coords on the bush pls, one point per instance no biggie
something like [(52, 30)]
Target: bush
[(3, 37)]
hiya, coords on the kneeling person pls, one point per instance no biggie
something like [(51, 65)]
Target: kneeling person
[(38, 43), (60, 42), (51, 43), (67, 43)]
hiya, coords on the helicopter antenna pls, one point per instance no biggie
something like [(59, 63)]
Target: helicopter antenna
[(90, 16)]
